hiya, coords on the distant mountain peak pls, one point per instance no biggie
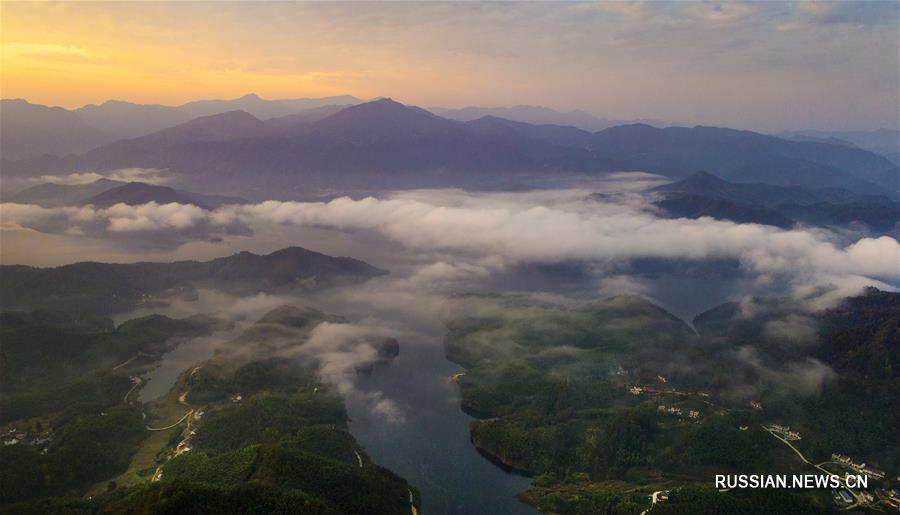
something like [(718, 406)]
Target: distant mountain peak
[(19, 101), (379, 121), (384, 110), (383, 103), (137, 193), (250, 96), (490, 118), (237, 114), (114, 102)]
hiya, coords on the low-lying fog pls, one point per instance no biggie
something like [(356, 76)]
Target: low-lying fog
[(567, 244)]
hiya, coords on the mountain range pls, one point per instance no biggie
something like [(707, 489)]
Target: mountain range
[(111, 287), (104, 193), (539, 115), (386, 145), (703, 194), (29, 130), (885, 142)]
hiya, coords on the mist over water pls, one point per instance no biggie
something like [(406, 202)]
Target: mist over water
[(160, 379), (431, 449), (407, 413)]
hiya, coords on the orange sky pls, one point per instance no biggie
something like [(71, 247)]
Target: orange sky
[(761, 65)]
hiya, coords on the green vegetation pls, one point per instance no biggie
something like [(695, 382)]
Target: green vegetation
[(53, 361), (283, 446), (274, 439), (85, 448), (854, 409), (706, 501), (105, 288), (550, 383)]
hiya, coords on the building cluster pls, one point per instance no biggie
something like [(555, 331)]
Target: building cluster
[(785, 432), (862, 468), (674, 410), (842, 497), (891, 496), (184, 446), (16, 437), (638, 390)]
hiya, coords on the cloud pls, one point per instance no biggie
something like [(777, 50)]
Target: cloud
[(520, 230), (153, 217), (384, 407), (807, 376), (336, 350), (148, 175), (143, 226), (849, 13), (52, 52), (339, 351), (623, 285), (484, 232), (793, 328)]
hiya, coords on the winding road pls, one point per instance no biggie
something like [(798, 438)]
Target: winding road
[(653, 499), (819, 466), (186, 415)]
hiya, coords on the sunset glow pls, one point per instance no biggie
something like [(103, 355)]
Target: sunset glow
[(679, 62)]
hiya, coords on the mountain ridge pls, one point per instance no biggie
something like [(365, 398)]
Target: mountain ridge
[(117, 287), (384, 144)]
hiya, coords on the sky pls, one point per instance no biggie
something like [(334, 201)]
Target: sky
[(764, 65)]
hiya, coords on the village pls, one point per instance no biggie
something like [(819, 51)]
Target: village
[(38, 440), (862, 468), (844, 498)]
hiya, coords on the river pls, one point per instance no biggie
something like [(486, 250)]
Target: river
[(431, 448)]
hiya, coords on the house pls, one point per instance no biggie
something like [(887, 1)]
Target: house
[(785, 432), (661, 379), (635, 390), (669, 409), (694, 414), (845, 496), (755, 404), (184, 446), (871, 471)]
